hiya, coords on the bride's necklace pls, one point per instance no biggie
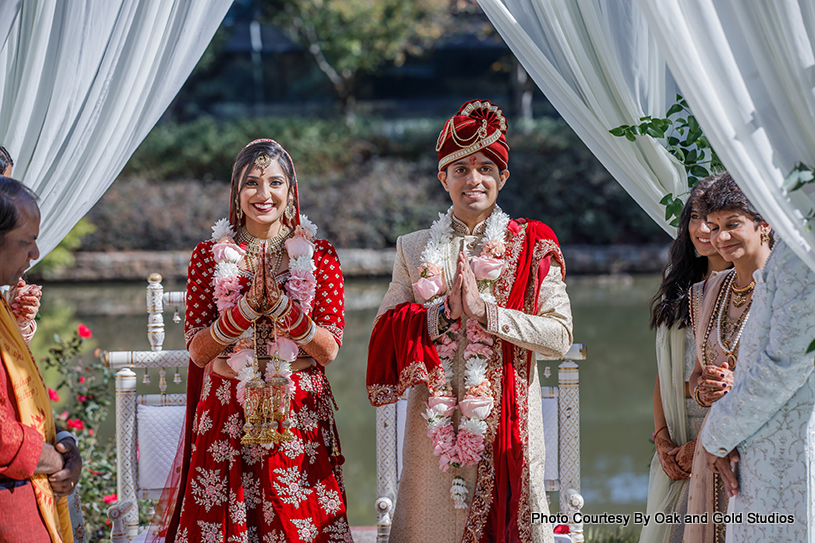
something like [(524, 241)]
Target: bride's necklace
[(252, 245)]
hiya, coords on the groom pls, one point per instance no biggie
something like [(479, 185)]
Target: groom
[(471, 300)]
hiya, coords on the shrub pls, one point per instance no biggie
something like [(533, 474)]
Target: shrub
[(363, 186)]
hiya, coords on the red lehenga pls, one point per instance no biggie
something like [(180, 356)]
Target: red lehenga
[(247, 493)]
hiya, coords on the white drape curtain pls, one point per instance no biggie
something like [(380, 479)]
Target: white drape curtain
[(747, 70), (597, 63), (83, 82)]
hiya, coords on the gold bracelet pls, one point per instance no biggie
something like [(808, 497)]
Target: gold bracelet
[(696, 397)]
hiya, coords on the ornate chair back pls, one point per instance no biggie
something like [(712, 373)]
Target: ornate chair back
[(148, 426)]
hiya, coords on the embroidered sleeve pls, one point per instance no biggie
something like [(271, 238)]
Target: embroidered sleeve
[(20, 445), (329, 298), (400, 289), (201, 310), (550, 331), (773, 364)]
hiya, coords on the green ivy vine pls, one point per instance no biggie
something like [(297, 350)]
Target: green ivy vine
[(685, 141)]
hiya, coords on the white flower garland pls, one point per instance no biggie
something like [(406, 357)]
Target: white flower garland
[(462, 448), (300, 288)]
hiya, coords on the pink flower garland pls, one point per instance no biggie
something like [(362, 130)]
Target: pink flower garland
[(462, 448)]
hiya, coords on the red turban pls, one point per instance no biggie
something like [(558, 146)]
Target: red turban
[(478, 126)]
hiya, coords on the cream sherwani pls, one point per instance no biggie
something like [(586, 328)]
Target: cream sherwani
[(424, 509)]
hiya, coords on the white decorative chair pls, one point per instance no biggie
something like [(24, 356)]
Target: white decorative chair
[(147, 425), (561, 421)]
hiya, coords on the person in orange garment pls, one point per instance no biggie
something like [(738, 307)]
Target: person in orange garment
[(38, 466)]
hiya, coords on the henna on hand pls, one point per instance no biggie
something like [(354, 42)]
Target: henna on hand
[(684, 455), (669, 466)]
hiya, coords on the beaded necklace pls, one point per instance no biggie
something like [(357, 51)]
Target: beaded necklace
[(728, 346), (252, 246)]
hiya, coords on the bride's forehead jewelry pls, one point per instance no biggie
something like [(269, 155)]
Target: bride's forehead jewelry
[(263, 161)]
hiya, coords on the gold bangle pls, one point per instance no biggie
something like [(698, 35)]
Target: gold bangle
[(696, 397)]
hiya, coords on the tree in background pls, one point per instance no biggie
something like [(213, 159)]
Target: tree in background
[(350, 37)]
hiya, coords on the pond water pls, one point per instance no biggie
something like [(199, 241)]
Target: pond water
[(616, 380)]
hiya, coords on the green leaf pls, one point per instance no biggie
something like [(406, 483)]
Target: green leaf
[(655, 133), (619, 131), (668, 198), (679, 154), (811, 347), (676, 207), (800, 175), (630, 137), (673, 140), (699, 171), (676, 108), (690, 158)]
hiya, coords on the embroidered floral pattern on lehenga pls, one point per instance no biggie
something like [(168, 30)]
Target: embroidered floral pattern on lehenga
[(275, 536), (222, 451), (289, 488), (251, 491), (329, 500), (204, 423), (237, 509), (206, 389), (223, 393), (233, 426), (211, 532), (338, 531), (268, 512), (292, 449), (208, 488), (252, 454), (306, 529), (306, 420)]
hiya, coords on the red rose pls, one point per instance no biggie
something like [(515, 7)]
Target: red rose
[(84, 332), (514, 227), (53, 395), (110, 498), (75, 424), (561, 529)]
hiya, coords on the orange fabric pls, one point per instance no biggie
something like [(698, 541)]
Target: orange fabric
[(34, 408)]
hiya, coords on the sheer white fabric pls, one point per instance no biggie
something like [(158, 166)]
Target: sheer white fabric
[(746, 70), (82, 85), (597, 63)]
